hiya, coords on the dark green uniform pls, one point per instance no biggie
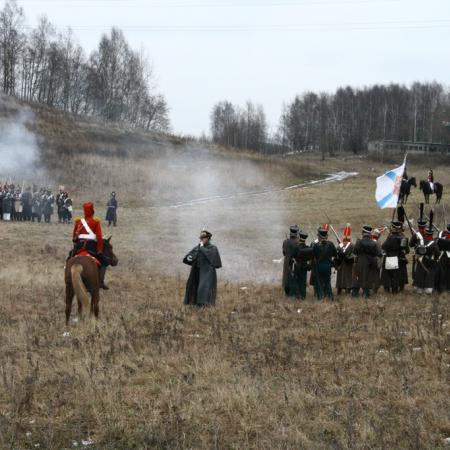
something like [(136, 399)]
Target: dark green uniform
[(324, 253), (302, 257)]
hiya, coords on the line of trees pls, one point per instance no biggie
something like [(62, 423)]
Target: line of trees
[(239, 127), (348, 119), (42, 65)]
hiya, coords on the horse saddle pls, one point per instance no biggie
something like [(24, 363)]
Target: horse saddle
[(84, 252)]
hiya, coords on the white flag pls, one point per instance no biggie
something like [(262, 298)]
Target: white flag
[(388, 187)]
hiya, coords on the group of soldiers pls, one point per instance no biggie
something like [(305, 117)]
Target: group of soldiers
[(365, 266), (34, 204)]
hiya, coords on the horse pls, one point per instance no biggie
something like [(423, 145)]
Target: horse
[(405, 189), (82, 277), (427, 191)]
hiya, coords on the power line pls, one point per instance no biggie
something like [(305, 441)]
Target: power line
[(345, 26), (199, 4)]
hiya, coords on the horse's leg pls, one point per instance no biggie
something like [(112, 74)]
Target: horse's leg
[(69, 298), (80, 309), (95, 303)]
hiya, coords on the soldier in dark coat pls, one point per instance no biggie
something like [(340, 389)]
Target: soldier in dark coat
[(111, 212), (365, 271), (67, 209), (324, 255), (60, 204), (344, 262), (36, 206), (27, 199), (395, 248), (443, 270), (426, 255), (48, 206), (303, 255), (204, 259), (289, 250)]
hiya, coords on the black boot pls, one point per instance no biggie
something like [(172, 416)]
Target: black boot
[(102, 278)]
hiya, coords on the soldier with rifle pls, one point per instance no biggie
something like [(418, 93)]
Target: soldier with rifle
[(426, 257), (366, 273), (303, 254), (443, 271), (324, 254), (290, 246), (395, 249), (344, 262)]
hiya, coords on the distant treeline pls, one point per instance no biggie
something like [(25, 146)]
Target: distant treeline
[(113, 83), (344, 121)]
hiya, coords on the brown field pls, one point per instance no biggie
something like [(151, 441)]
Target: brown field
[(257, 371)]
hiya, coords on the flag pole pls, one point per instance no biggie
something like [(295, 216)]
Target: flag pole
[(403, 174)]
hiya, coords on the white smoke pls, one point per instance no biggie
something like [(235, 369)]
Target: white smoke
[(19, 151)]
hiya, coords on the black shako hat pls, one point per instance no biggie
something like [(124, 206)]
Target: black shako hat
[(322, 232), (396, 226), (366, 229), (422, 223), (303, 235), (294, 229), (448, 227)]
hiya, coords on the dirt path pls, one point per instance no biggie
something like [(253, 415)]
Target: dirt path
[(331, 178)]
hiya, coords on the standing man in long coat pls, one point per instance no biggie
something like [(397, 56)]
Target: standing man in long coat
[(345, 260), (365, 272), (324, 255), (443, 270), (111, 211), (204, 259), (395, 247), (303, 255), (427, 254), (289, 250)]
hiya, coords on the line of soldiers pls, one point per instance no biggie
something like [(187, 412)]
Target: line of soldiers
[(366, 265), (33, 204)]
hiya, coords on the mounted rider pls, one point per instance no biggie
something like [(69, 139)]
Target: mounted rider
[(88, 239), (430, 179)]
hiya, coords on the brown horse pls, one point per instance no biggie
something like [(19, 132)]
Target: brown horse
[(82, 277)]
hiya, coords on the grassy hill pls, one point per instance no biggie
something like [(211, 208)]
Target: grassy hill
[(256, 372)]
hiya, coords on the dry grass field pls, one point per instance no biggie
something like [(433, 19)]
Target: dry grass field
[(258, 371)]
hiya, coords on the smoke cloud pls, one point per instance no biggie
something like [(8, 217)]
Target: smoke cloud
[(19, 151)]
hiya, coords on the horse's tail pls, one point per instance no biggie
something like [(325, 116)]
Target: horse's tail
[(78, 285)]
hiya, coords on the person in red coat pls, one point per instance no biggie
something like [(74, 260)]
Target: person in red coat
[(87, 237)]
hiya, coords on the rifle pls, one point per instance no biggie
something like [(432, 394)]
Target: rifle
[(413, 231), (431, 217), (333, 230)]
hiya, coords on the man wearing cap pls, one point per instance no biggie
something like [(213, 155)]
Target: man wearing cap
[(365, 269), (87, 235), (289, 248), (303, 254), (395, 248), (345, 261), (426, 259), (324, 254), (111, 211), (443, 272), (204, 259)]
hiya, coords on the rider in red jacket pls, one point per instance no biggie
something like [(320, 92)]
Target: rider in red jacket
[(87, 231), (87, 235)]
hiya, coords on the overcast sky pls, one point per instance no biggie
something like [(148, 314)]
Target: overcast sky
[(267, 51)]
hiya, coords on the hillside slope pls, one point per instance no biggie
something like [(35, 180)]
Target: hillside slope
[(88, 156)]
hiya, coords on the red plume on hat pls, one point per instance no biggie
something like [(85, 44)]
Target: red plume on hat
[(347, 235), (326, 226)]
